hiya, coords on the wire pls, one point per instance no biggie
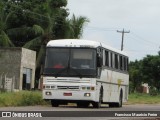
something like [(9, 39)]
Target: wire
[(136, 37), (143, 39), (101, 29), (141, 51), (140, 41)]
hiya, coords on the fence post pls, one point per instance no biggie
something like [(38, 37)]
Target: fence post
[(3, 82), (0, 79), (13, 80)]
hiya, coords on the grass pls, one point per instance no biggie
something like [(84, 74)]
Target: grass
[(141, 98), (22, 98), (31, 98)]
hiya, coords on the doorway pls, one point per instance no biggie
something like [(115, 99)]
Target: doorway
[(27, 78)]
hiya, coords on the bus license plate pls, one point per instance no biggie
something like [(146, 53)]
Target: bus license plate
[(67, 94)]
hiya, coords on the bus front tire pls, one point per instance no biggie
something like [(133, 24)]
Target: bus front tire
[(83, 104), (54, 103), (98, 104)]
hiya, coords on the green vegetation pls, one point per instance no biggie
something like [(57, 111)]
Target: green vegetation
[(22, 98), (146, 70), (32, 98), (33, 23), (140, 98)]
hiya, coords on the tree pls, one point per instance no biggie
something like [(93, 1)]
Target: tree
[(71, 28), (4, 38), (33, 23), (77, 25), (50, 18), (57, 27), (146, 70), (135, 75), (151, 70)]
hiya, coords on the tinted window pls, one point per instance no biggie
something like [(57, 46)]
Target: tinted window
[(106, 58)]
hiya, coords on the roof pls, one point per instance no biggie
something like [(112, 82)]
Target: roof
[(81, 43), (73, 43)]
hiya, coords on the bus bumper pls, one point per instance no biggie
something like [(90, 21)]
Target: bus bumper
[(70, 95)]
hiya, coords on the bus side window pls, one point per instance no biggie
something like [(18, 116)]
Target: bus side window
[(111, 60), (99, 61), (106, 58), (121, 63), (125, 65), (116, 60)]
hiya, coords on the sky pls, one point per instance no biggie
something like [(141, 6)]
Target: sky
[(140, 17)]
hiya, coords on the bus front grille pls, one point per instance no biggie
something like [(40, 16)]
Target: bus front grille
[(68, 87)]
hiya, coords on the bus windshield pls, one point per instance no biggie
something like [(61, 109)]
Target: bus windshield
[(77, 62)]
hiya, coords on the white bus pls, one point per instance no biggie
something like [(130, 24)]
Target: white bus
[(84, 72)]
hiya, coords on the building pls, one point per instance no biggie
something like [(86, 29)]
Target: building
[(17, 69), (145, 88)]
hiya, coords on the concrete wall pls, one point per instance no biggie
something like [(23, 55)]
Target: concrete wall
[(12, 62), (28, 60)]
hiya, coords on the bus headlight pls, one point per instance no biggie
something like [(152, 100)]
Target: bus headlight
[(87, 94), (48, 93)]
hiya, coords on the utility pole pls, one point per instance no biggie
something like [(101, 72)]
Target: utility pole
[(122, 37)]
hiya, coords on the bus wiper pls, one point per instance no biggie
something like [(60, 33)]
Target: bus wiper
[(63, 69), (78, 73)]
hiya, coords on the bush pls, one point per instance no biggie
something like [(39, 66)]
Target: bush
[(153, 91), (22, 98), (143, 98)]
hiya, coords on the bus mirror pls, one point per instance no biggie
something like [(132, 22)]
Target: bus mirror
[(99, 62), (42, 65)]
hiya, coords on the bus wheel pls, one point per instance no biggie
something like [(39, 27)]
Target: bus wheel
[(83, 104), (111, 105), (98, 104), (119, 104), (120, 100), (54, 103)]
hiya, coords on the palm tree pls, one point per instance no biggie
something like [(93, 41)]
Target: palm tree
[(4, 39), (77, 25), (40, 41), (72, 28), (49, 23)]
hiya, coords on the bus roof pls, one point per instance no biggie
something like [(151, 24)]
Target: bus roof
[(81, 43)]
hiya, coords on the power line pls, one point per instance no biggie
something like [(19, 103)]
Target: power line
[(122, 37), (141, 42), (140, 51), (90, 27), (143, 38), (101, 29)]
